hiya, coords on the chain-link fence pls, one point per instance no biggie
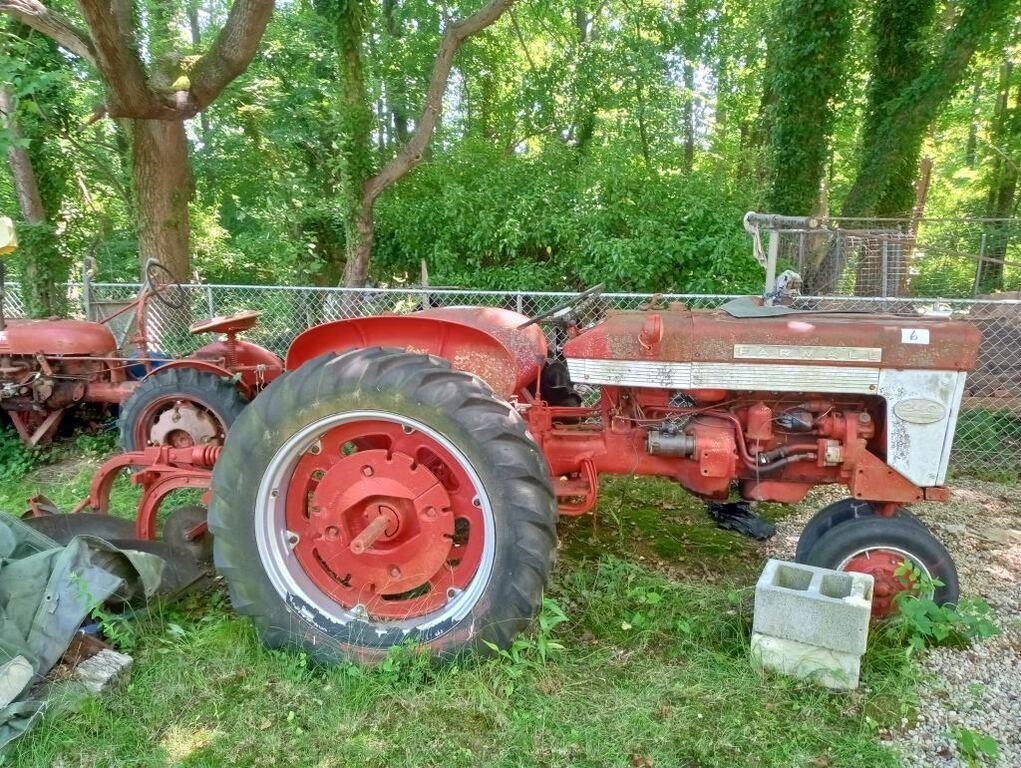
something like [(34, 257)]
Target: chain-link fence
[(960, 258), (989, 429)]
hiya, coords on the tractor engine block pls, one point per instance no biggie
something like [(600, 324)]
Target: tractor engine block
[(768, 447)]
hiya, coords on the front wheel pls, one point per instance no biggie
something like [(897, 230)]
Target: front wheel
[(377, 498), (878, 546)]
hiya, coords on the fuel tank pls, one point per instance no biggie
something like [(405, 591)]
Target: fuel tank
[(56, 337), (680, 335)]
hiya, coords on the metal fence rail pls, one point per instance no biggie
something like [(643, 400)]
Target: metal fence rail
[(989, 429)]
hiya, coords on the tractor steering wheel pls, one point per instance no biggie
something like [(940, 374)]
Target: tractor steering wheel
[(575, 301), (161, 284)]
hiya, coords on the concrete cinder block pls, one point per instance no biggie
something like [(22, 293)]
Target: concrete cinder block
[(833, 669), (106, 670), (815, 606)]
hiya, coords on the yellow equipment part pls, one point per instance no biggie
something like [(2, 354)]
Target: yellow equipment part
[(8, 237)]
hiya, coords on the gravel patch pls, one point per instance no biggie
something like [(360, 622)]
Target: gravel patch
[(979, 687)]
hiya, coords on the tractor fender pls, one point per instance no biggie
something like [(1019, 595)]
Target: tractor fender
[(205, 366), (466, 347)]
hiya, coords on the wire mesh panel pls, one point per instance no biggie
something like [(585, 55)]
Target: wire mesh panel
[(14, 306), (905, 257)]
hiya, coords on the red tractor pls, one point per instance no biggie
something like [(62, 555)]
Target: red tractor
[(401, 481), (48, 367)]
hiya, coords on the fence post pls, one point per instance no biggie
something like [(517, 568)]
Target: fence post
[(209, 301), (772, 253), (979, 265), (884, 266), (521, 304)]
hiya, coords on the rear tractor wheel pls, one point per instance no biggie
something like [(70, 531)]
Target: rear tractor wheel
[(878, 546), (379, 497), (179, 407)]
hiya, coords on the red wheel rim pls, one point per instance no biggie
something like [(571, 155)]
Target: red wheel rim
[(882, 565), (383, 519)]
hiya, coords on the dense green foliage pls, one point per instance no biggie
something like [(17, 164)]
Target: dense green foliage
[(805, 77), (579, 142)]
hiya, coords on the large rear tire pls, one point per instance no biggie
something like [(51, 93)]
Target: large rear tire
[(379, 497), (180, 407)]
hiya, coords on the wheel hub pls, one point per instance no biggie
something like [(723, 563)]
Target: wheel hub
[(882, 565), (378, 518), (377, 524), (182, 426)]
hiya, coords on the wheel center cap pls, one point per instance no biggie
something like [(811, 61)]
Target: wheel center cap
[(882, 565)]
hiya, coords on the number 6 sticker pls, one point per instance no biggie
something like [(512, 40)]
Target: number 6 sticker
[(914, 335)]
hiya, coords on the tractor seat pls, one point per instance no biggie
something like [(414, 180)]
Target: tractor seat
[(239, 321)]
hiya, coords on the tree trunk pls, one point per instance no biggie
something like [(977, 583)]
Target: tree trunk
[(1006, 138), (897, 26), (897, 135), (810, 38), (25, 183), (359, 252), (43, 265), (971, 148), (689, 115), (196, 41), (163, 189), (585, 122), (397, 96)]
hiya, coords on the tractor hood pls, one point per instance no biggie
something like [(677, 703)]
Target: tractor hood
[(680, 335), (56, 337)]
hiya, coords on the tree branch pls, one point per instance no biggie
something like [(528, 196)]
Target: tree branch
[(67, 35), (128, 92), (232, 51), (412, 152)]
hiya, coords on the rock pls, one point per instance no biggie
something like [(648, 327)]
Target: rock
[(107, 669)]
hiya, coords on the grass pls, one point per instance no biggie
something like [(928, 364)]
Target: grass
[(653, 670)]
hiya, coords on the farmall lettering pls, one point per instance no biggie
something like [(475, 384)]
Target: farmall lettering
[(790, 352)]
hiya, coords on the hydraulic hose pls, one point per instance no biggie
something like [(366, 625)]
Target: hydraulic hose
[(749, 460)]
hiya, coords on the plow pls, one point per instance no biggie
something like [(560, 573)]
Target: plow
[(401, 479)]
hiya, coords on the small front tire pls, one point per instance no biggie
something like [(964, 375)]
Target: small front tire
[(878, 546), (180, 407)]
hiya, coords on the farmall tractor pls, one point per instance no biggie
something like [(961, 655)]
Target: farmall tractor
[(401, 481), (48, 367)]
